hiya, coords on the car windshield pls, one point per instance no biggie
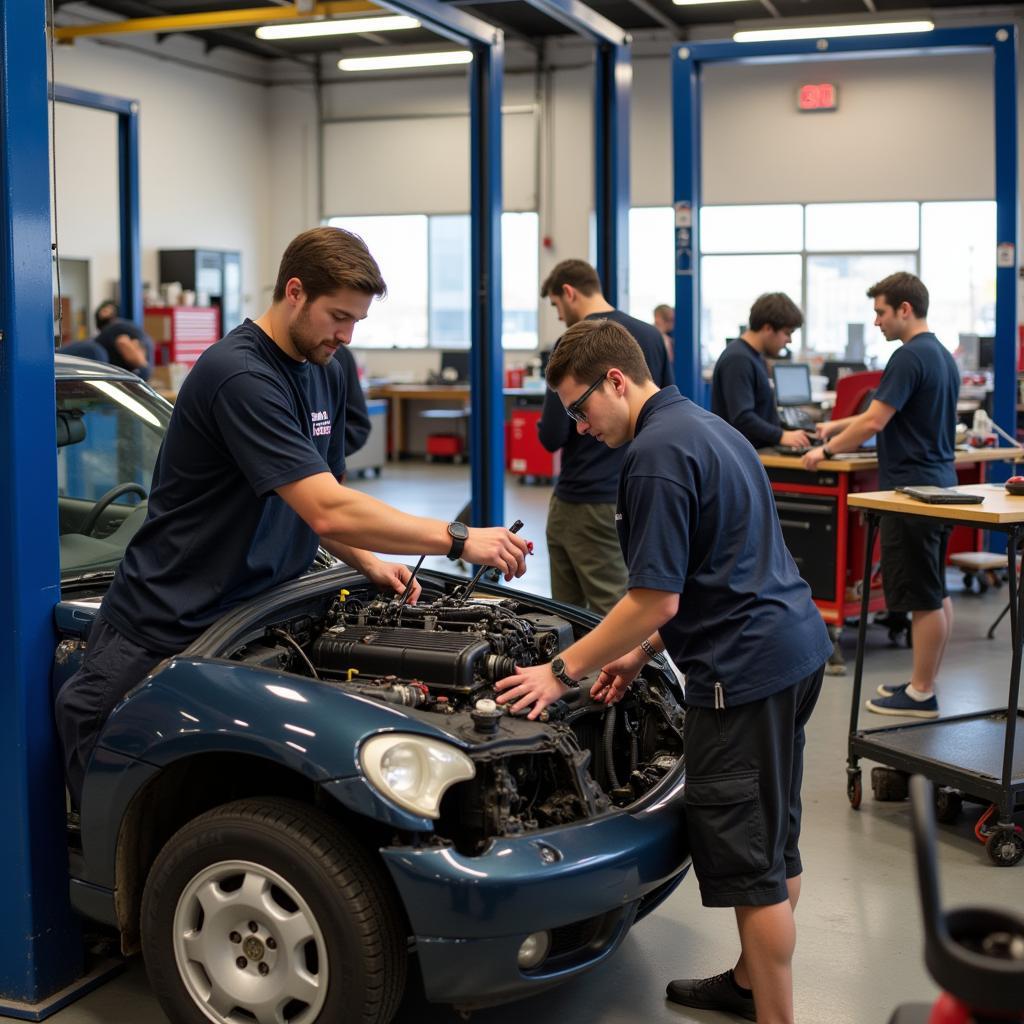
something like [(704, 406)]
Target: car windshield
[(108, 436)]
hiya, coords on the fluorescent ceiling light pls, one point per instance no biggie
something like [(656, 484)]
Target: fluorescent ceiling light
[(701, 3), (337, 27), (405, 60), (885, 28)]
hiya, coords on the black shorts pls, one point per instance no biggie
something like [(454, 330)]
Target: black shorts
[(744, 769), (914, 563)]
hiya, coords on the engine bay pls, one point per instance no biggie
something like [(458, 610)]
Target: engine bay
[(441, 657)]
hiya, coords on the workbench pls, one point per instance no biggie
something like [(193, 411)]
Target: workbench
[(400, 395), (980, 754), (826, 538)]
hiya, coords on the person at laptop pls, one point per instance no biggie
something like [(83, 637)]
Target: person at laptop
[(740, 391), (914, 415)]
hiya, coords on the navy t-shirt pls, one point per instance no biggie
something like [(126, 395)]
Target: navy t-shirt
[(696, 517), (248, 419), (590, 469), (921, 382), (742, 395)]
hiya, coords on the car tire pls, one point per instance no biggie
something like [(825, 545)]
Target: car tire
[(266, 905)]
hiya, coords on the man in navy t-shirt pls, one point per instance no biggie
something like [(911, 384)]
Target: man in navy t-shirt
[(127, 345), (583, 549), (711, 582), (740, 391), (914, 414), (246, 485)]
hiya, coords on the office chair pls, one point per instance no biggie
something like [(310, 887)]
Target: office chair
[(854, 393)]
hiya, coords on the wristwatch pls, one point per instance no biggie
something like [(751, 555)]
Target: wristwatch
[(459, 534), (559, 672)]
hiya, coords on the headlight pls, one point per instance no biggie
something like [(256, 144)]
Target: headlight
[(414, 771)]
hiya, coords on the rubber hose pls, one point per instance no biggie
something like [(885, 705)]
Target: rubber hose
[(609, 745)]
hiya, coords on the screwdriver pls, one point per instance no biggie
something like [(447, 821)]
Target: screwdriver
[(496, 574)]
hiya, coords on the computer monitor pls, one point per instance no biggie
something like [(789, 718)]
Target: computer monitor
[(833, 369), (986, 353), (792, 383), (455, 366)]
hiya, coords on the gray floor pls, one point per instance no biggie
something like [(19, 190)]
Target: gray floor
[(859, 950)]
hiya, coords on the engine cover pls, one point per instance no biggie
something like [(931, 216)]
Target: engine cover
[(444, 660)]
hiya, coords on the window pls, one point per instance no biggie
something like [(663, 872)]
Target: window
[(825, 256), (425, 260), (958, 265), (652, 278), (729, 285), (399, 245)]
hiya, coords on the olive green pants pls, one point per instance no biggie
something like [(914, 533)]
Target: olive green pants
[(586, 562)]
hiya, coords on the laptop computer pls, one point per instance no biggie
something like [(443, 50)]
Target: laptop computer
[(793, 390)]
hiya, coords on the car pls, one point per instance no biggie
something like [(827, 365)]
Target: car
[(318, 803)]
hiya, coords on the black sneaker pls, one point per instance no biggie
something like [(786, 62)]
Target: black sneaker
[(718, 993)]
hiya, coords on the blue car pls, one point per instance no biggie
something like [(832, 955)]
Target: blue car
[(319, 803)]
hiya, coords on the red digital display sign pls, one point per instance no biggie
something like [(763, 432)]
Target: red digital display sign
[(822, 96)]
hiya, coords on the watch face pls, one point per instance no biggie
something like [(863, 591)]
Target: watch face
[(557, 666), (459, 531)]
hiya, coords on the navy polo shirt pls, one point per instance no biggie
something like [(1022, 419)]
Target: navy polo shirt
[(590, 469), (696, 517), (248, 419), (742, 395), (921, 382)]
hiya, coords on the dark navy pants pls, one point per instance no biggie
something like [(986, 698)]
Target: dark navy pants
[(112, 666)]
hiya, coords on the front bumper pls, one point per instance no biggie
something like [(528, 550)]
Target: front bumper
[(585, 883)]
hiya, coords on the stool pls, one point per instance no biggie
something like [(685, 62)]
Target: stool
[(447, 444), (981, 567)]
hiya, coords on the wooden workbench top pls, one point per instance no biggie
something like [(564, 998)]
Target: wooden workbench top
[(857, 463), (999, 507)]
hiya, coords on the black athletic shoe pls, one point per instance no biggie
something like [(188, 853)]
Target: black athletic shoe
[(717, 993)]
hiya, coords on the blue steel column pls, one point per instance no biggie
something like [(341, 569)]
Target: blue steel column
[(1004, 398), (686, 173), (128, 165), (612, 87), (487, 422), (39, 948)]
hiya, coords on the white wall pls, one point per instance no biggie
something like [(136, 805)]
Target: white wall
[(205, 162)]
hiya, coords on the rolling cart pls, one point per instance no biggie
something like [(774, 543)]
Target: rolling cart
[(979, 755)]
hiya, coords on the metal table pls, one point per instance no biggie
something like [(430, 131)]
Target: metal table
[(982, 753)]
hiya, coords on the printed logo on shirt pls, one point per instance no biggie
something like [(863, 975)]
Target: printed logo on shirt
[(618, 517), (321, 423)]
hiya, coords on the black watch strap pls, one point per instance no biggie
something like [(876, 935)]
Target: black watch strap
[(459, 535)]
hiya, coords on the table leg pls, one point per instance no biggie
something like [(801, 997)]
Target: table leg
[(852, 769), (1013, 545)]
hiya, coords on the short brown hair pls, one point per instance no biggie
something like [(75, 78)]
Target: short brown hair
[(591, 347), (578, 273), (899, 288), (776, 310), (326, 259)]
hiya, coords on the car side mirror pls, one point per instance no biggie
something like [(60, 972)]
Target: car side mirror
[(70, 427)]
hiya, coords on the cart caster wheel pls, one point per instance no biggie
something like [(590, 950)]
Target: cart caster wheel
[(1005, 847), (968, 583), (888, 785), (457, 460), (982, 586), (948, 805), (428, 457), (854, 789)]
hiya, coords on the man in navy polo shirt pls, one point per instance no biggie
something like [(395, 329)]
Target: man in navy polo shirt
[(740, 391), (710, 581), (583, 550), (914, 414), (246, 485)]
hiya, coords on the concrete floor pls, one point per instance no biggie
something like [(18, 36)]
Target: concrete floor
[(859, 951)]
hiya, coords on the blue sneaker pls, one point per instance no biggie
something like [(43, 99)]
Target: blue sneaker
[(888, 689), (903, 704)]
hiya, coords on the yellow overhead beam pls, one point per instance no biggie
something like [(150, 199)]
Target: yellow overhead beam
[(214, 19)]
